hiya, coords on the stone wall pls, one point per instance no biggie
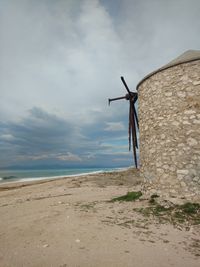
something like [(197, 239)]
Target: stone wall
[(169, 116)]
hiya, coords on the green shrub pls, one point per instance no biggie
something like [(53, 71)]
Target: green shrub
[(130, 196)]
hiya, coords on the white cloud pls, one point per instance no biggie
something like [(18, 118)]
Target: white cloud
[(69, 157), (7, 137), (55, 60), (114, 126)]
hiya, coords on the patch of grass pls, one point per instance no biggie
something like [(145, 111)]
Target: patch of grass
[(130, 196), (188, 213), (160, 208), (190, 208)]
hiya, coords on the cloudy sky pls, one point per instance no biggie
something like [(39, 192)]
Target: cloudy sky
[(60, 60)]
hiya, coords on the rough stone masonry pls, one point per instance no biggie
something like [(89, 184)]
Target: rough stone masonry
[(169, 117)]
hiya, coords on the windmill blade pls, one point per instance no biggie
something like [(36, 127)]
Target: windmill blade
[(136, 117), (134, 109), (129, 128), (133, 133), (135, 97), (134, 153), (134, 126), (126, 86)]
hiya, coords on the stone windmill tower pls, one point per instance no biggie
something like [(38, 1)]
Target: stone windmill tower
[(169, 118)]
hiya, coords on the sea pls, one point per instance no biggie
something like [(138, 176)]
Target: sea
[(33, 175)]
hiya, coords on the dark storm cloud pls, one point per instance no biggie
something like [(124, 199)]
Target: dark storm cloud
[(37, 135), (45, 137), (42, 131)]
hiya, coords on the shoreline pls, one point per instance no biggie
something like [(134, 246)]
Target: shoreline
[(19, 184), (35, 179)]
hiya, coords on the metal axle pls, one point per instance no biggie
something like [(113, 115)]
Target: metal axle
[(117, 98), (127, 97)]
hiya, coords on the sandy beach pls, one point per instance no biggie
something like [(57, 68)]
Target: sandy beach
[(71, 222)]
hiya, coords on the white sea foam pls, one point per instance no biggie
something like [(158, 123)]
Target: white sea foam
[(57, 177), (31, 179), (70, 175)]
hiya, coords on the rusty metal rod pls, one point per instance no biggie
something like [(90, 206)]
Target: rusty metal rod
[(122, 79), (134, 137), (129, 128), (117, 98), (136, 117), (134, 129)]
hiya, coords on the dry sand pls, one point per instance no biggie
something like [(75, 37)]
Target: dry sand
[(69, 222)]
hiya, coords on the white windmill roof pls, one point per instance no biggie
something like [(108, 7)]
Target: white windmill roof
[(188, 56)]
